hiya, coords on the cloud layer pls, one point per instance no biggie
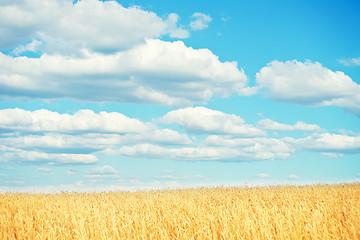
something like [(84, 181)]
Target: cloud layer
[(156, 72), (43, 137)]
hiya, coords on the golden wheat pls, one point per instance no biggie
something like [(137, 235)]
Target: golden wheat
[(276, 212)]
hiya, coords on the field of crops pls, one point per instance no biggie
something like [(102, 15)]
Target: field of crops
[(276, 212)]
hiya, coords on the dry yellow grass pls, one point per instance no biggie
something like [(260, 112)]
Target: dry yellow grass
[(277, 212)]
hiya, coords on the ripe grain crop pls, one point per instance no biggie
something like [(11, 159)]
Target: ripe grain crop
[(274, 212)]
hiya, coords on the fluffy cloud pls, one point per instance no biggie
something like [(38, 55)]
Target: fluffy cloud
[(101, 51), (309, 84), (88, 24), (201, 153), (208, 121), (327, 142), (158, 72), (83, 132), (43, 136), (89, 142), (82, 121), (271, 147), (269, 124), (187, 153), (200, 21), (52, 158)]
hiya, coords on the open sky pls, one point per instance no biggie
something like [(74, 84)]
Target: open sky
[(122, 95)]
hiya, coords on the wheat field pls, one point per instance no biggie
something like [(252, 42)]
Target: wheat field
[(273, 212)]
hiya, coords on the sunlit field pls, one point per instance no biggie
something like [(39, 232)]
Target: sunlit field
[(275, 212)]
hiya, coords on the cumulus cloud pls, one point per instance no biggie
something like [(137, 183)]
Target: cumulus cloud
[(88, 24), (309, 84), (158, 72), (101, 51), (327, 142), (200, 21), (90, 142), (52, 158), (198, 153), (46, 134), (270, 148), (208, 121), (269, 124), (82, 121), (350, 62), (43, 136)]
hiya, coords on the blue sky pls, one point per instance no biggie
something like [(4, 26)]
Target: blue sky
[(105, 95)]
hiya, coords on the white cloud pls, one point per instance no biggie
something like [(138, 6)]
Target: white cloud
[(88, 24), (104, 170), (158, 72), (44, 136), (269, 124), (208, 121), (292, 177), (98, 174), (326, 142), (309, 84), (33, 46), (263, 175), (200, 153), (200, 21), (350, 62), (52, 158), (91, 142), (173, 30), (82, 121), (260, 147), (332, 155)]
